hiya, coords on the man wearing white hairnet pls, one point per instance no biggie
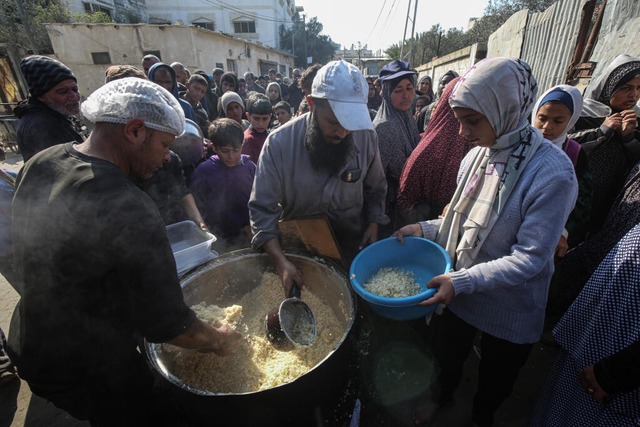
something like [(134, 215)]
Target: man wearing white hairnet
[(96, 271)]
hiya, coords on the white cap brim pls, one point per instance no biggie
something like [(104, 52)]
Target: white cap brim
[(351, 115)]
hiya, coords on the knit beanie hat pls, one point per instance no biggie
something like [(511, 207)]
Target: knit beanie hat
[(228, 98), (42, 73)]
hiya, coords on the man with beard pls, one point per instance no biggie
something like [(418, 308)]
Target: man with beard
[(46, 118), (95, 269), (325, 162)]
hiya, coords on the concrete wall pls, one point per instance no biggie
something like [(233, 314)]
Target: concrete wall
[(458, 61), (196, 48), (507, 40)]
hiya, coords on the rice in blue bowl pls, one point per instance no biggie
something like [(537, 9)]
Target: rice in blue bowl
[(422, 257)]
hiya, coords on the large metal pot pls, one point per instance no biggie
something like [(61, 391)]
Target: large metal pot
[(322, 392)]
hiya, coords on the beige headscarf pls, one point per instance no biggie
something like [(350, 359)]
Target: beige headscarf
[(503, 90)]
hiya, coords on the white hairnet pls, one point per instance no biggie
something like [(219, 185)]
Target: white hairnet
[(133, 98)]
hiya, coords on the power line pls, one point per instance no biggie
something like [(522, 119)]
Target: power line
[(386, 22), (224, 5), (376, 23)]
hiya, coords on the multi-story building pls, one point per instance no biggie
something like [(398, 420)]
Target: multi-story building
[(254, 20), (124, 11), (258, 21)]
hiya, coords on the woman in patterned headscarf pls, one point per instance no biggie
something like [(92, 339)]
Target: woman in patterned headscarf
[(514, 194), (425, 87), (397, 130), (608, 132)]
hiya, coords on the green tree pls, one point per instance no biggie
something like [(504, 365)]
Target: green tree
[(437, 42), (429, 44), (22, 22), (498, 12), (305, 39)]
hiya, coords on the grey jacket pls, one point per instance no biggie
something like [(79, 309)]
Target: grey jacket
[(286, 186)]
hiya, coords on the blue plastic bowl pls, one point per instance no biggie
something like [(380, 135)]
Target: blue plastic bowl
[(421, 256)]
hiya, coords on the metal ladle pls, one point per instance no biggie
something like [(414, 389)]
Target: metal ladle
[(291, 323)]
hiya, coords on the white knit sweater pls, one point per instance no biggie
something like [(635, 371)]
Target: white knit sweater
[(505, 292)]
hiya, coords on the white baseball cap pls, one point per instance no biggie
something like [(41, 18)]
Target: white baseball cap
[(346, 89)]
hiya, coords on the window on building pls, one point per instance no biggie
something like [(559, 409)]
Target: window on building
[(207, 24), (101, 57), (244, 27), (231, 65), (92, 8)]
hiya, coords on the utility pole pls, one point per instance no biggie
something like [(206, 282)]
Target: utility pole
[(413, 27), (413, 31), (304, 29), (296, 31)]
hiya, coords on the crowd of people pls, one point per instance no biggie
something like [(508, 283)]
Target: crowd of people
[(532, 195)]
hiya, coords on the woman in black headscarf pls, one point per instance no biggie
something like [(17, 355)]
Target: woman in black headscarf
[(608, 132)]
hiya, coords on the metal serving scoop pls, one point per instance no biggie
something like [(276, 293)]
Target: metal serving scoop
[(291, 323)]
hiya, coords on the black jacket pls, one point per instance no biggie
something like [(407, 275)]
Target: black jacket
[(41, 127)]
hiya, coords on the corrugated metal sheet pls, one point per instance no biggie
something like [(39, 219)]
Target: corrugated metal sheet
[(507, 40), (619, 33), (547, 40), (550, 41)]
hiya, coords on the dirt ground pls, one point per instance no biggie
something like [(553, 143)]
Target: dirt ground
[(19, 408)]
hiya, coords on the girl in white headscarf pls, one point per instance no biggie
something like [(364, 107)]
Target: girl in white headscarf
[(608, 132), (555, 114), (514, 194)]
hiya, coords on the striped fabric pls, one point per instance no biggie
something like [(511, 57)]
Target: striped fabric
[(42, 73)]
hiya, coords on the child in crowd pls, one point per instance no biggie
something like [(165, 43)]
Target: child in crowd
[(232, 107), (197, 86), (259, 115), (222, 184), (262, 82), (282, 111), (242, 89), (274, 92), (555, 114), (514, 195)]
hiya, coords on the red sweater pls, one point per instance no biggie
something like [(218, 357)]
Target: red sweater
[(252, 143)]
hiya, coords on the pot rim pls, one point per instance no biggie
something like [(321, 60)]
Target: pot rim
[(152, 349)]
